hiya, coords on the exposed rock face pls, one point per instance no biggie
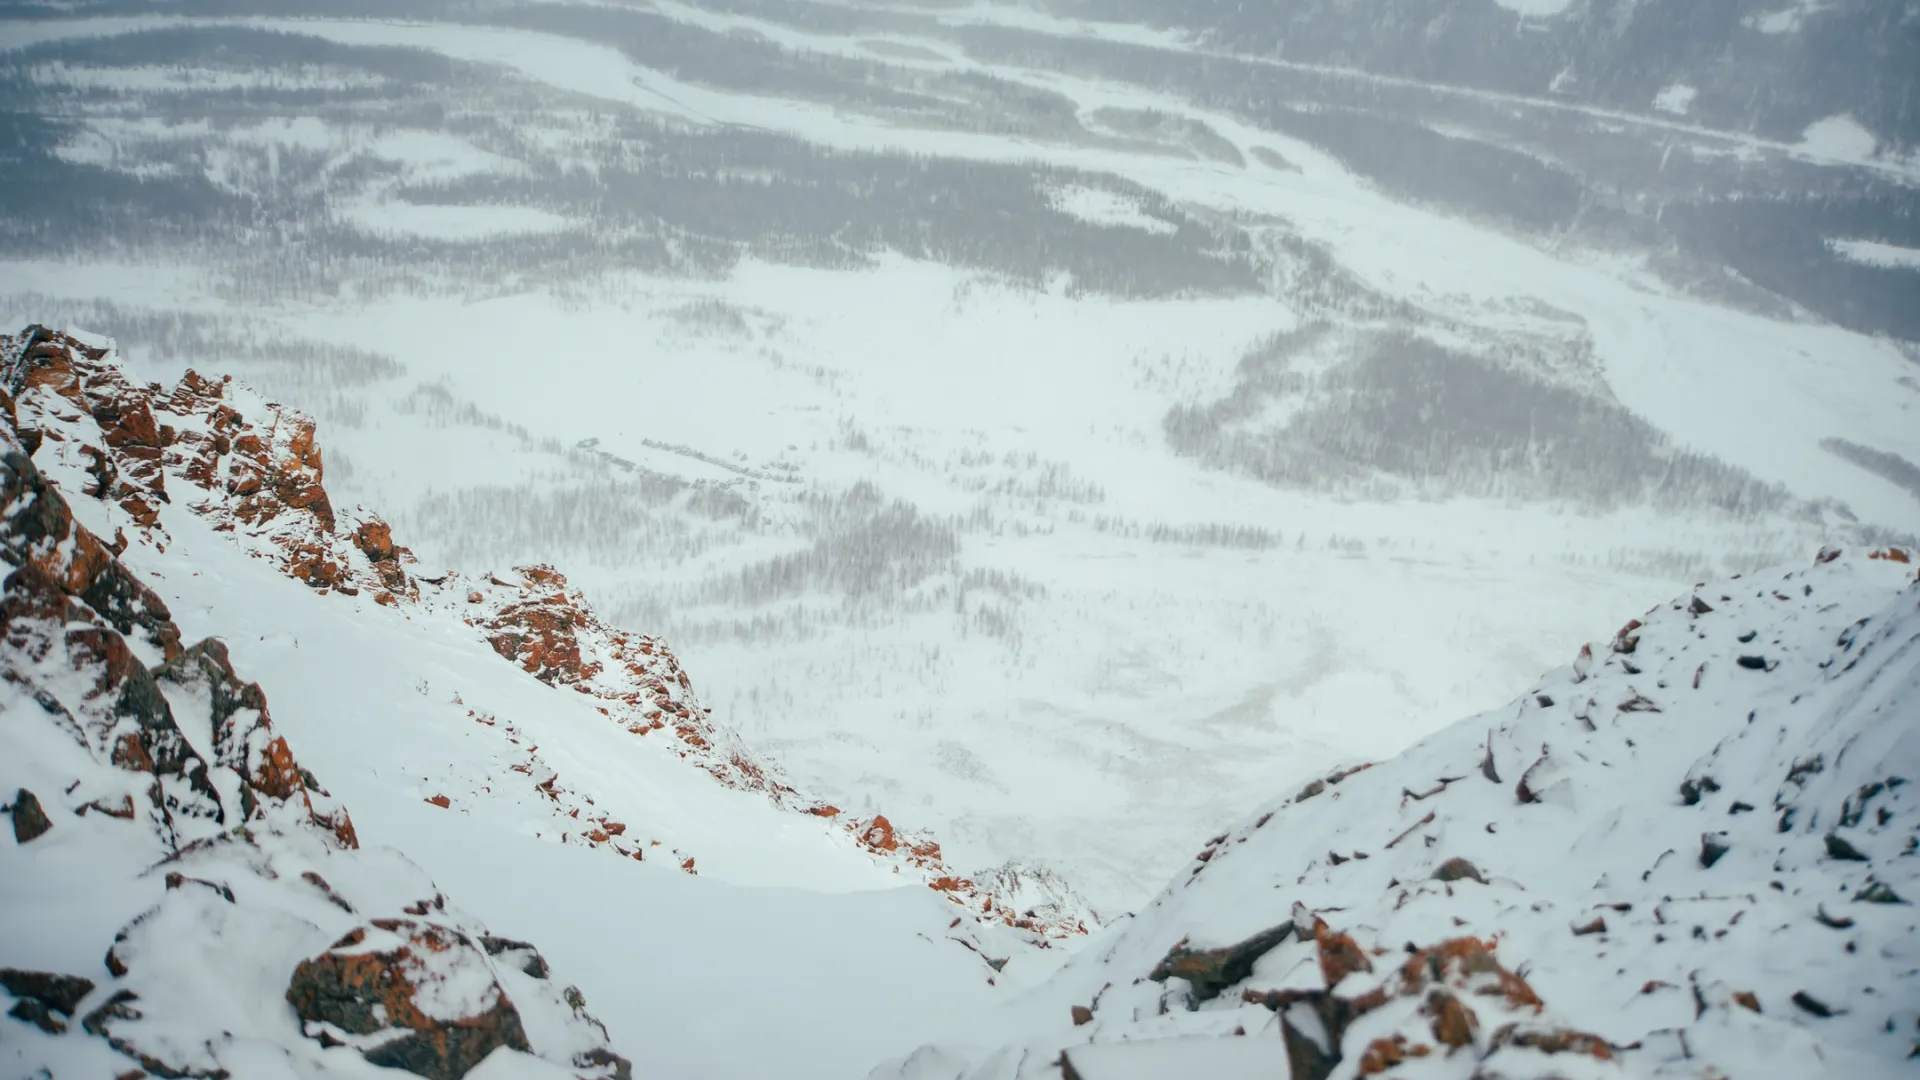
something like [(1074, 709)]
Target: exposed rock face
[(410, 995), (44, 999), (1209, 971), (209, 841), (255, 470), (1453, 999)]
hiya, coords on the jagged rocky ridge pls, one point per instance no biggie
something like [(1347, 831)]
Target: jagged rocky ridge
[(1695, 852), (174, 879), (254, 469)]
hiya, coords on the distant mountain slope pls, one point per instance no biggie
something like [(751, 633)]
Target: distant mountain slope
[(1767, 67), (1691, 853), (253, 470)]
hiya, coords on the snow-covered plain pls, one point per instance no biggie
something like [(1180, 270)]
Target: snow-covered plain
[(1081, 647)]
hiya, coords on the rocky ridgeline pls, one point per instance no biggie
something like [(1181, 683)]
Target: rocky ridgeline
[(254, 469), (1695, 852), (174, 878)]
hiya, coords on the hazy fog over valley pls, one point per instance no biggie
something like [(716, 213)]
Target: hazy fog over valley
[(1060, 426)]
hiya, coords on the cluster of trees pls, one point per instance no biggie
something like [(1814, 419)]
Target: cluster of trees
[(1391, 412)]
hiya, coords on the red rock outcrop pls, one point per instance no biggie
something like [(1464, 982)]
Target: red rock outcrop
[(1453, 997), (69, 608), (394, 990)]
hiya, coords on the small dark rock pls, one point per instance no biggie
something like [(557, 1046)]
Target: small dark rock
[(1082, 1015), (598, 1058), (533, 963), (62, 993), (29, 820), (1626, 640), (1748, 636), (177, 880), (1699, 606), (1878, 893), (1806, 767), (1811, 1004), (35, 1012), (1839, 848), (117, 1007), (1753, 663), (1210, 971), (1310, 791), (1712, 847), (1691, 789), (1597, 926), (1457, 869)]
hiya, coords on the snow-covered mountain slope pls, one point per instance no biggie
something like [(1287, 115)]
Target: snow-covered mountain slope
[(220, 457), (159, 818), (1773, 67), (1694, 852), (491, 739)]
